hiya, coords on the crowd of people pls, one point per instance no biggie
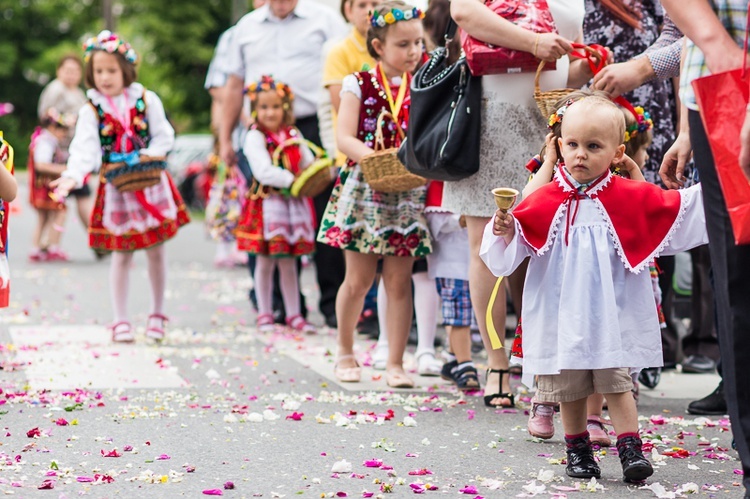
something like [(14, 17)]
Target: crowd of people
[(587, 253)]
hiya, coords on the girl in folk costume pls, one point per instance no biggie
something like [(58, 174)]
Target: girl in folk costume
[(47, 160), (589, 316), (274, 226), (368, 224), (8, 191), (125, 134)]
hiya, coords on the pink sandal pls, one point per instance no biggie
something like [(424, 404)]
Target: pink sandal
[(122, 332), (300, 325), (265, 323), (156, 332)]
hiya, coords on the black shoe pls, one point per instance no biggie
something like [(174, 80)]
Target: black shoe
[(650, 377), (698, 364), (713, 404), (581, 462), (635, 467), (331, 321), (447, 371)]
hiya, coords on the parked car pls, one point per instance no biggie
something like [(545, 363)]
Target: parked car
[(188, 162)]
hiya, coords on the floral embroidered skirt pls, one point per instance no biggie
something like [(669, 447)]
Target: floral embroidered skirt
[(128, 221), (360, 219), (277, 226)]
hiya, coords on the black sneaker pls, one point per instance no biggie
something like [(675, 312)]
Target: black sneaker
[(581, 462), (635, 466), (713, 404), (700, 364)]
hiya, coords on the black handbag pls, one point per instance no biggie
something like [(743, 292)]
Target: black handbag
[(442, 139)]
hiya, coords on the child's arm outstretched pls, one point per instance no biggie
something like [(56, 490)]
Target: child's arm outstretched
[(544, 174), (85, 153)]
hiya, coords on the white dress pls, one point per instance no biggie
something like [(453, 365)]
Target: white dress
[(512, 128), (582, 309)]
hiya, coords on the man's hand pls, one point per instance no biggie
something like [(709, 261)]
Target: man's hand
[(226, 153), (745, 146), (672, 169), (623, 77)]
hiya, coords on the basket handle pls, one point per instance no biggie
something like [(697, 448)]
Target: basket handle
[(317, 151), (595, 54), (379, 138)]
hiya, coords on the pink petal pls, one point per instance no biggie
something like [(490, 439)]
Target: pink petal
[(61, 422), (470, 413), (469, 489), (34, 432), (373, 463), (228, 486), (112, 453), (213, 492), (47, 485), (341, 494), (163, 457), (85, 479), (295, 416), (368, 494)]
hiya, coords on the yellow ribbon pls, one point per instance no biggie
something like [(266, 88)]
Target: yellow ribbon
[(491, 331), (395, 107), (9, 163)]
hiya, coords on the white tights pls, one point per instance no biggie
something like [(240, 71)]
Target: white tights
[(119, 280), (263, 277), (426, 302)]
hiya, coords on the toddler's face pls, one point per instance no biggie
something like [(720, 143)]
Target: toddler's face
[(270, 110), (589, 142), (358, 13)]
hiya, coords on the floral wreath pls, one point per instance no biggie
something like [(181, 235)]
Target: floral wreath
[(557, 116), (55, 117), (267, 84), (380, 20), (643, 123), (111, 43)]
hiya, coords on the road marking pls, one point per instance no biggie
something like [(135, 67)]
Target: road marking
[(83, 356)]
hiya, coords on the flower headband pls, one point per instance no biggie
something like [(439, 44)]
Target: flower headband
[(643, 123), (380, 20), (268, 84), (55, 117), (111, 43), (558, 115)]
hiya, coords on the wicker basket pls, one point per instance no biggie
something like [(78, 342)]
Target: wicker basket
[(546, 100), (130, 178), (382, 169), (316, 178)]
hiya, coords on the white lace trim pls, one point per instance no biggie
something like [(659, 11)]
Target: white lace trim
[(566, 187), (554, 228), (657, 251)]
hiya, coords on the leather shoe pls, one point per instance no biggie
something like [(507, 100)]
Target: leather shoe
[(699, 364), (713, 404), (581, 463), (650, 377), (635, 466)]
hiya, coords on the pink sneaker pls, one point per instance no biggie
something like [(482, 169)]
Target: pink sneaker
[(57, 255), (541, 420), (299, 325), (38, 255), (597, 432)]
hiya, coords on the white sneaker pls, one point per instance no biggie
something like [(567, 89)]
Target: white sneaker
[(428, 365), (380, 358)]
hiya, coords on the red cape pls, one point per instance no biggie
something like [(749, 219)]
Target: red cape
[(641, 216)]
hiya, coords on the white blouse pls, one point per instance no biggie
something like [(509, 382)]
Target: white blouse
[(86, 150), (582, 309), (264, 171)]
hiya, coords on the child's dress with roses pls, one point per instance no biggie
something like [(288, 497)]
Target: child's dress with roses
[(133, 123), (360, 219)]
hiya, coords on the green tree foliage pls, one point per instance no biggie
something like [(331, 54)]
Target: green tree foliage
[(175, 40)]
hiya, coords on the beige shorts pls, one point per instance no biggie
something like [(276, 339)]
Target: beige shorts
[(571, 385)]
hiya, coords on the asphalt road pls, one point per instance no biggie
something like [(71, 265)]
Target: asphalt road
[(220, 403)]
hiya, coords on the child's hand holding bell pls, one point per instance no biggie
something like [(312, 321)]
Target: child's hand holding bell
[(503, 225)]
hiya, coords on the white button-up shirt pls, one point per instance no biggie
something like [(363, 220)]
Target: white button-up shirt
[(290, 49)]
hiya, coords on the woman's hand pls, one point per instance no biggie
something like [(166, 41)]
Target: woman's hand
[(672, 170), (62, 186), (550, 46)]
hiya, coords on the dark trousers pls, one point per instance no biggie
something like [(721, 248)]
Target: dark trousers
[(329, 261), (731, 277), (701, 340), (669, 338)]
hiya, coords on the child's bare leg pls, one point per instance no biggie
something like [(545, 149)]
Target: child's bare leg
[(481, 283), (397, 278), (84, 205), (57, 227), (119, 281), (43, 220), (595, 424), (623, 412), (459, 338), (573, 416), (350, 300)]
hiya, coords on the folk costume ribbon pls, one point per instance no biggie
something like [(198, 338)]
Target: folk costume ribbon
[(400, 97)]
